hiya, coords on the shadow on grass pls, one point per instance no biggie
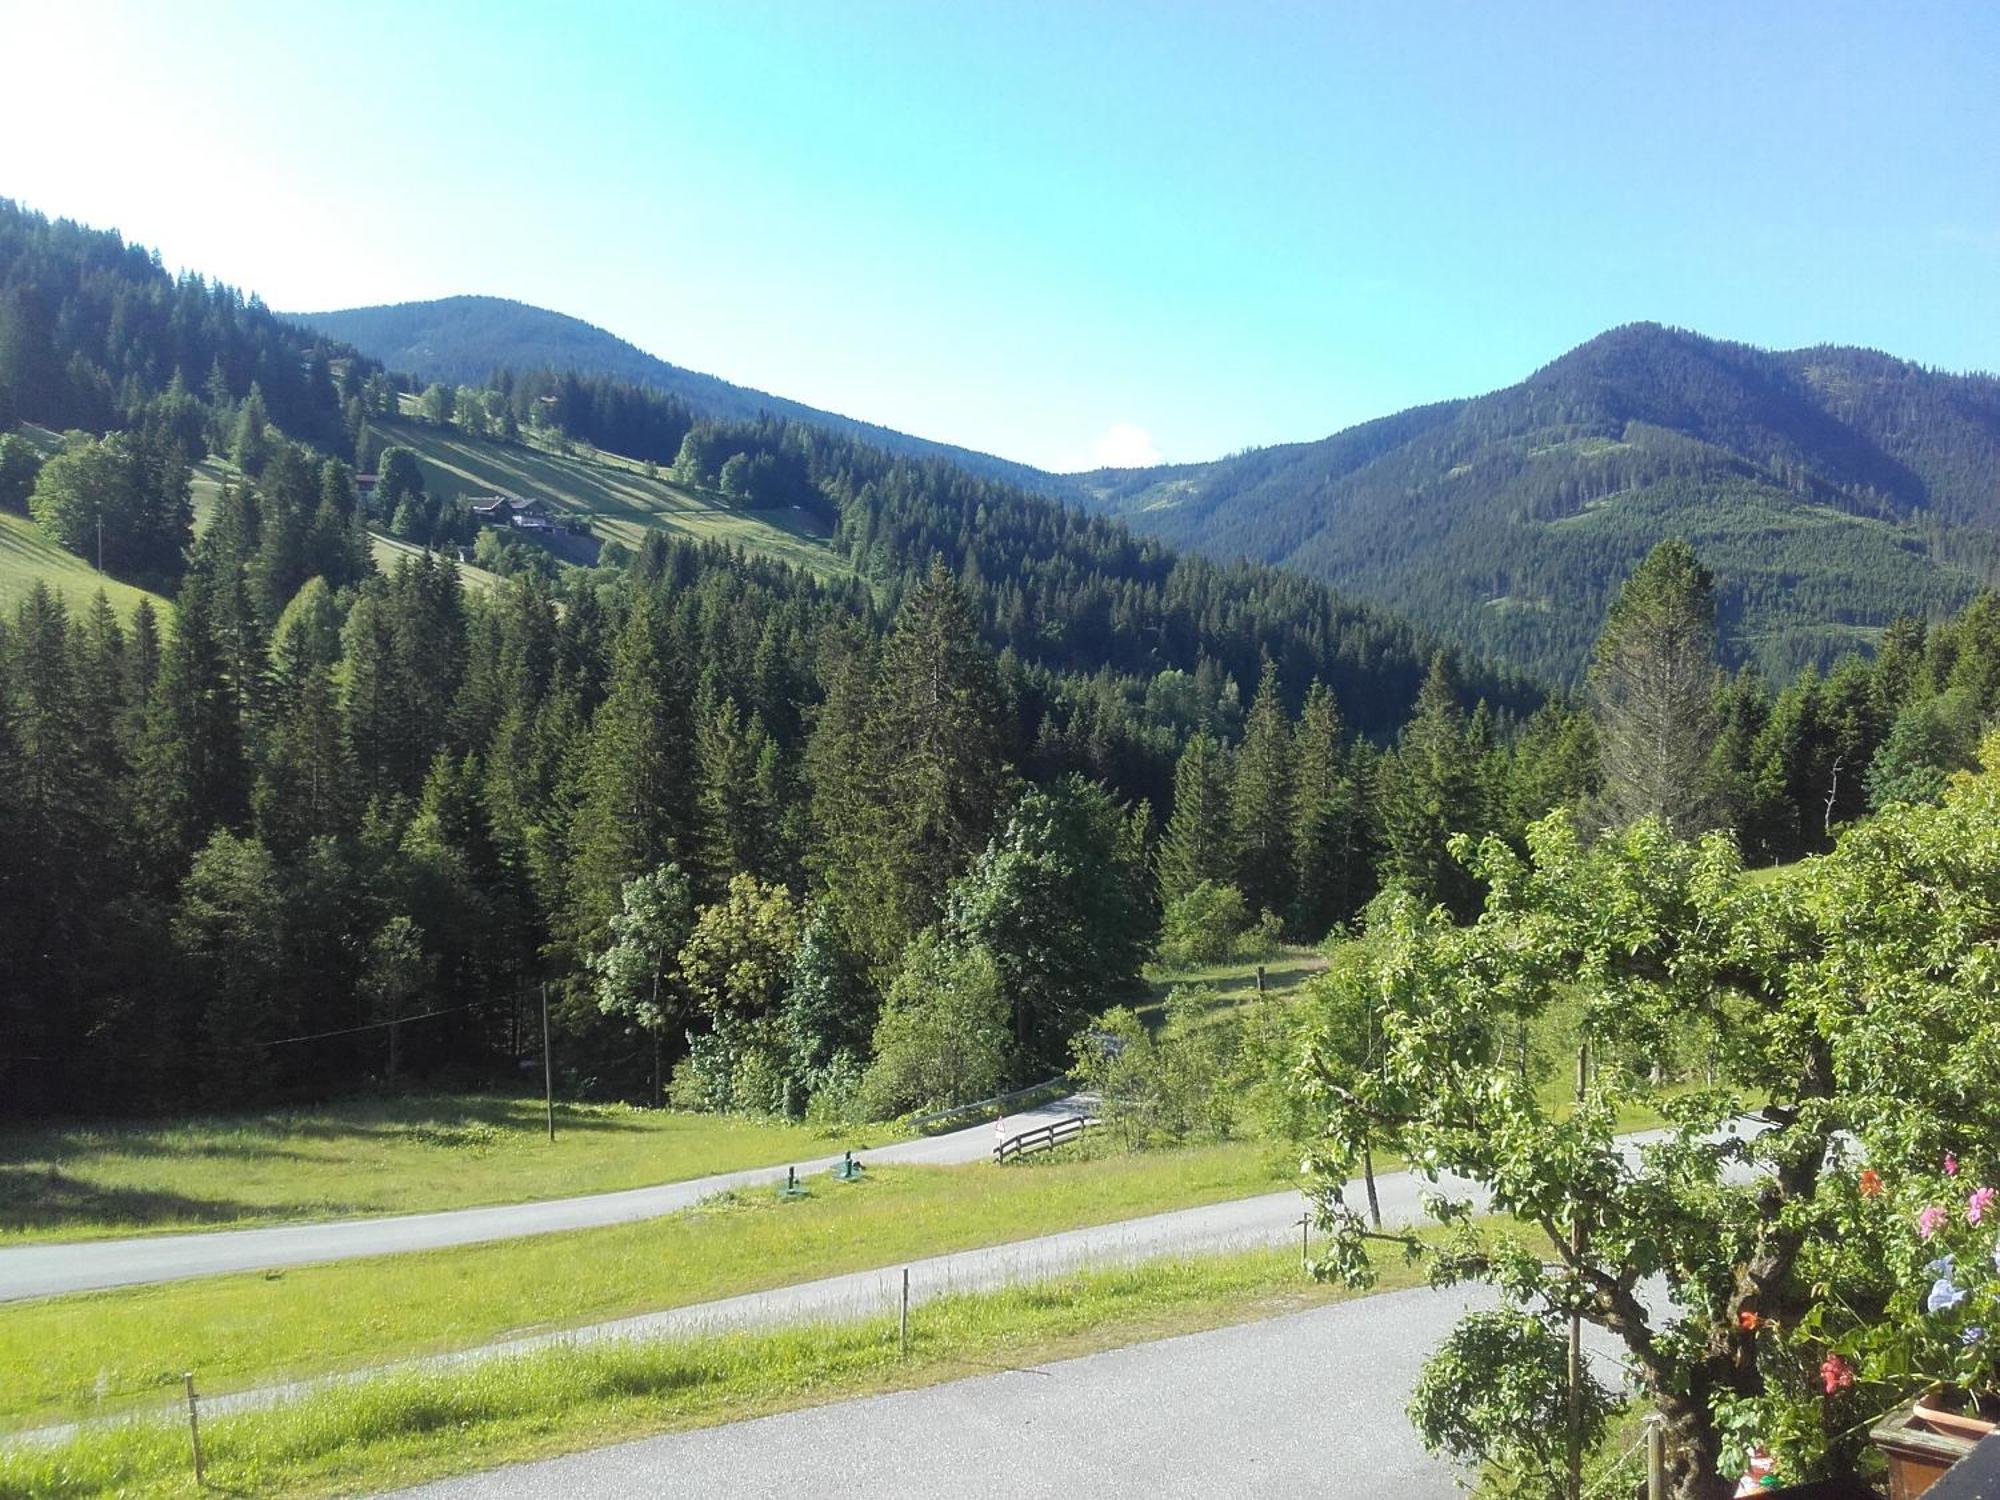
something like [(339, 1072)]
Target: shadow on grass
[(444, 1121), (49, 1198), (1230, 990)]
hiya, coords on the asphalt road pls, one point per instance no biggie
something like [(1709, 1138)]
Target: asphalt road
[(1269, 1220), (50, 1270), (1309, 1404)]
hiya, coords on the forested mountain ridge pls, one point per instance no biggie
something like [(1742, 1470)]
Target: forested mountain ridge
[(464, 340), (1830, 489), (851, 810)]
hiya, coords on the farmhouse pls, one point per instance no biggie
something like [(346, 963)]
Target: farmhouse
[(507, 510)]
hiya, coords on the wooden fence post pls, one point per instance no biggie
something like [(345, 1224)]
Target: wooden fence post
[(194, 1431)]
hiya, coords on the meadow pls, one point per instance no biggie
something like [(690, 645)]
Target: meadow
[(77, 1355), (95, 1179), (615, 495)]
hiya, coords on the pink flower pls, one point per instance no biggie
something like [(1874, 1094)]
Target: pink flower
[(1836, 1373), (1950, 1165), (1930, 1220), (1978, 1203)]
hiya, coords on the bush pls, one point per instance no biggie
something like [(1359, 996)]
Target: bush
[(1185, 1084), (1203, 926), (1211, 924), (943, 1037)]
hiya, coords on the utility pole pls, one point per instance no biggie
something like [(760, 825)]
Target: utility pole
[(548, 1067), (1576, 1316)]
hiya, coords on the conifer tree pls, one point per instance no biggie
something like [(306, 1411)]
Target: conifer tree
[(631, 814), (938, 769), (1260, 801), (192, 777), (1196, 846), (1653, 677), (1428, 790), (1322, 819)]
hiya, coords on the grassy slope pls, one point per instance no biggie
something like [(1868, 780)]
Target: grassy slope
[(64, 1355), (1233, 984), (613, 493), (27, 555), (389, 550), (87, 1180)]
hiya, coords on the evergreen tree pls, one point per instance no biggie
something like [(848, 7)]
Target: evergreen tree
[(1653, 677), (192, 777), (936, 756), (631, 813), (1322, 820), (1429, 789), (1197, 842), (1260, 801), (250, 444)]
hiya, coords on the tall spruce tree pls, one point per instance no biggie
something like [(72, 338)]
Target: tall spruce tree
[(192, 773), (1260, 801), (1196, 846), (940, 778), (632, 809), (1653, 678), (1428, 790), (1322, 819)]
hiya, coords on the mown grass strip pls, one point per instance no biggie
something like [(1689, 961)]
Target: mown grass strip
[(406, 1428)]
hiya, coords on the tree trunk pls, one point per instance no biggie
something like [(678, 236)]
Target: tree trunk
[(1694, 1451), (1368, 1176)]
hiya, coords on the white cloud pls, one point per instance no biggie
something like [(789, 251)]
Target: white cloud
[(1123, 445)]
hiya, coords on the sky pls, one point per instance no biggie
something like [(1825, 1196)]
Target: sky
[(1071, 234)]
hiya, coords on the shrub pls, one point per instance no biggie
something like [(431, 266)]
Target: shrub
[(943, 1037), (1203, 926)]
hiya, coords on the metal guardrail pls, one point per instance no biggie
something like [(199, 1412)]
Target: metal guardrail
[(1053, 1088), (1042, 1137)]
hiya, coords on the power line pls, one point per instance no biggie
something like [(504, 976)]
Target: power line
[(369, 1027)]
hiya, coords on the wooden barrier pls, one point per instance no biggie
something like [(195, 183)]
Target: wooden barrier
[(1042, 1137)]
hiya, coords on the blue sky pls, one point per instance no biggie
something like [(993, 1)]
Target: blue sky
[(1064, 233)]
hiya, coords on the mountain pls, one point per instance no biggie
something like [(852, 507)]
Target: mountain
[(463, 340), (1829, 488)]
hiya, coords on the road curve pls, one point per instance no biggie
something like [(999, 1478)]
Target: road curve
[(1306, 1404), (91, 1265)]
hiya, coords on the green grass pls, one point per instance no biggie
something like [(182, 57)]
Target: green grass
[(27, 554), (613, 493), (91, 1180), (1234, 984), (389, 550), (406, 1428), (70, 1355)]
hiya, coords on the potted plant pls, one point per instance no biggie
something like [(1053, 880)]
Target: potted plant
[(1932, 1348)]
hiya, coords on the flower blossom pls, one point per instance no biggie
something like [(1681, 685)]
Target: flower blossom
[(1945, 1295), (1950, 1165), (1972, 1336), (1747, 1321), (1977, 1205), (1930, 1220), (1836, 1373), (1871, 1183)]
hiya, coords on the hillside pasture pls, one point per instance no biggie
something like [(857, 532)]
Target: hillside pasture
[(612, 494), (27, 554)]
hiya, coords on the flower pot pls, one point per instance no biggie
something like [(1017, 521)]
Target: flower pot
[(1921, 1442), (1965, 1424)]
